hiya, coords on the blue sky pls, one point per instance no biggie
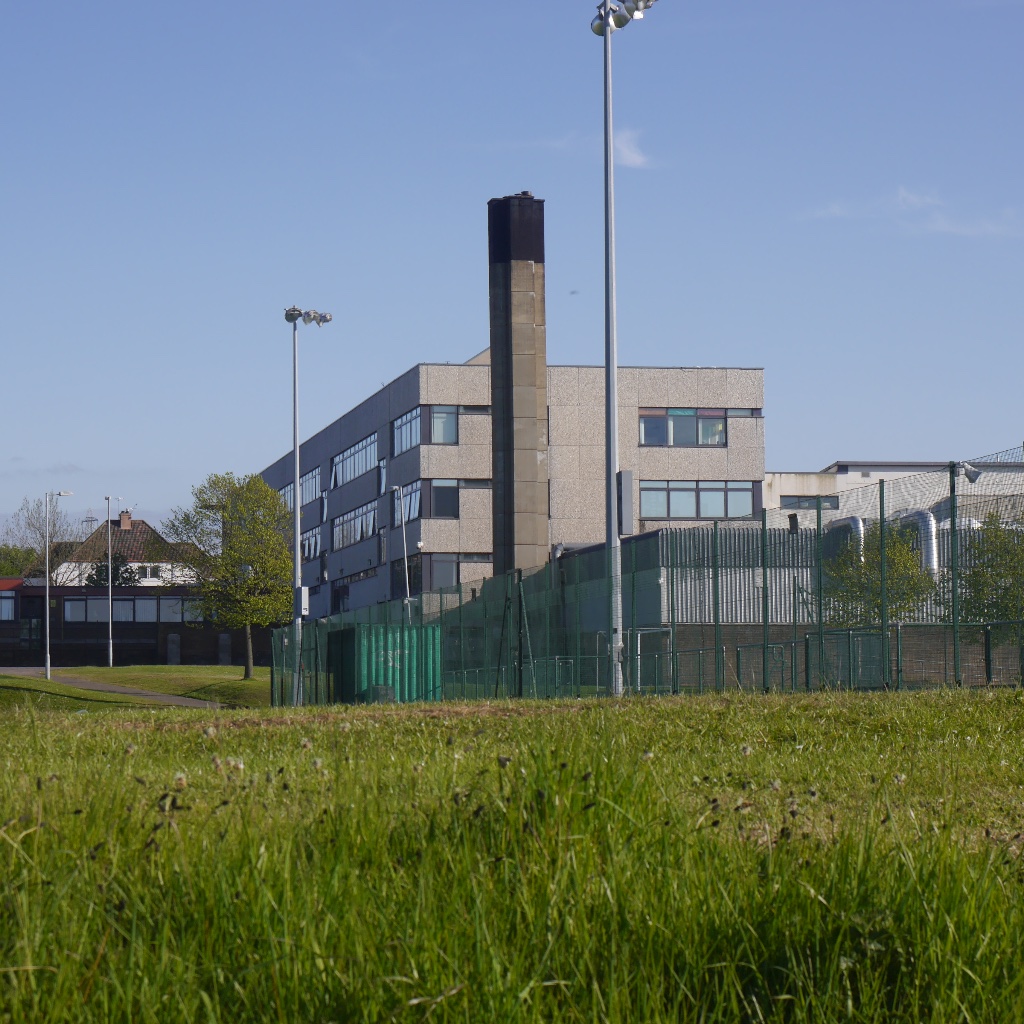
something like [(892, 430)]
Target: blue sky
[(832, 191)]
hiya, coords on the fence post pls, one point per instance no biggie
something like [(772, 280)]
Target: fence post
[(821, 600), (807, 662), (988, 655), (716, 584), (796, 636), (899, 656), (765, 682), (954, 561), (883, 572), (849, 656), (674, 664)]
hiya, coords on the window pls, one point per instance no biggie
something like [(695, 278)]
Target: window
[(191, 611), (398, 577), (686, 428), (410, 502), (145, 609), (288, 493), (354, 461), (444, 424), (7, 606), (696, 499), (405, 432), (311, 544), (124, 609), (170, 609), (309, 486), (444, 499), (74, 609), (382, 476), (444, 571), (803, 501), (475, 410), (354, 526)]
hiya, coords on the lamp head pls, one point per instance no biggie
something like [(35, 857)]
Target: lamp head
[(971, 473), (292, 314), (64, 494), (620, 17)]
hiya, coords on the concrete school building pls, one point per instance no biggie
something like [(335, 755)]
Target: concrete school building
[(493, 463)]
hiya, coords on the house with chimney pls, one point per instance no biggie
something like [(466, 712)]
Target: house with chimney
[(134, 543)]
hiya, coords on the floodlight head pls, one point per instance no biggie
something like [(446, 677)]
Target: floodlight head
[(64, 494), (293, 314), (597, 26), (309, 316), (634, 8), (620, 17), (971, 473)]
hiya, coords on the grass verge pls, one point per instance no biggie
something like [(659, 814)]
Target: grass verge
[(52, 695), (818, 858), (223, 684)]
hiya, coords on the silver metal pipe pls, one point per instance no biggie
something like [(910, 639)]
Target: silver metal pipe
[(296, 525), (611, 391), (110, 595)]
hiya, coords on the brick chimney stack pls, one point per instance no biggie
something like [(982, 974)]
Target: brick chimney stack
[(126, 520)]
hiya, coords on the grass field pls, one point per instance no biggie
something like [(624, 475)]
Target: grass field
[(811, 858), (223, 684)]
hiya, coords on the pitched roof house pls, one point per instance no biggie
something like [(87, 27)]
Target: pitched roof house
[(154, 559)]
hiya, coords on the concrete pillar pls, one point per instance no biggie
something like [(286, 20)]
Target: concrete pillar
[(519, 414)]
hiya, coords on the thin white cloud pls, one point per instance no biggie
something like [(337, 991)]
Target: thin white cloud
[(627, 149), (922, 212), (18, 468)]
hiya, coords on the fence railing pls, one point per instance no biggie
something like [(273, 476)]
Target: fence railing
[(913, 582)]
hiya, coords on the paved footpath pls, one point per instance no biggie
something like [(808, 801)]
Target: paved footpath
[(131, 691)]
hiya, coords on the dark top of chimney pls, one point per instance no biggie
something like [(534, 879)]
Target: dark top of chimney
[(515, 229)]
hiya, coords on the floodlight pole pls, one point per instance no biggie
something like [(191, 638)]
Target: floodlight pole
[(954, 567), (610, 17), (293, 315)]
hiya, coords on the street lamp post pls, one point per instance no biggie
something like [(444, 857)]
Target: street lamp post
[(405, 550), (609, 18), (972, 476), (310, 316), (110, 592), (46, 544)]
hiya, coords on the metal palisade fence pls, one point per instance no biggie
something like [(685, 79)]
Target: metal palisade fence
[(912, 582)]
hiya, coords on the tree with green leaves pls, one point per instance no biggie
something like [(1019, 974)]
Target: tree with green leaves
[(121, 572), (234, 540), (992, 573), (853, 579), (16, 561)]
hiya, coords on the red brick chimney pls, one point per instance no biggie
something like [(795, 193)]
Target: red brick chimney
[(126, 520)]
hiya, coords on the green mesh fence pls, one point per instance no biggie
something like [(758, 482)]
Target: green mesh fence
[(913, 582)]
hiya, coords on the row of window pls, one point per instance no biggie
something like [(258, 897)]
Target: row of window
[(132, 609), (802, 501), (696, 499), (354, 461), (439, 424), (688, 428)]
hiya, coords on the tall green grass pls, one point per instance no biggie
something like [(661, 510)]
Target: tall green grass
[(837, 857)]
